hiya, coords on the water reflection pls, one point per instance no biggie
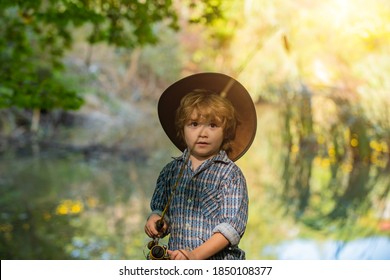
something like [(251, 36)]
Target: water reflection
[(304, 184), (372, 248), (66, 206), (334, 173)]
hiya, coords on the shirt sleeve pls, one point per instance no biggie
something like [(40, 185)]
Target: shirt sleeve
[(234, 211)]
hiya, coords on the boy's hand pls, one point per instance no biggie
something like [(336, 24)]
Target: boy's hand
[(151, 227), (181, 255)]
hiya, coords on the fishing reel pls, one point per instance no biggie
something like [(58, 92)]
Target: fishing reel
[(156, 251)]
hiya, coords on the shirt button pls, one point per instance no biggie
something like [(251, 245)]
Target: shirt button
[(188, 226), (189, 200)]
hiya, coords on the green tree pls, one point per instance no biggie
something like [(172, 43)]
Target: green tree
[(36, 33)]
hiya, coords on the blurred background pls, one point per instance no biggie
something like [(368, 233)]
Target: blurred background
[(81, 145)]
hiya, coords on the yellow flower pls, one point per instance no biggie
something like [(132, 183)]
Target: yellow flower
[(354, 142)]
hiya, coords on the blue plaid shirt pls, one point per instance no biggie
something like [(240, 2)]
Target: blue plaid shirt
[(211, 199)]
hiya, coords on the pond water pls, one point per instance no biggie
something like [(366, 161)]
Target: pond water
[(371, 248), (62, 202), (61, 205)]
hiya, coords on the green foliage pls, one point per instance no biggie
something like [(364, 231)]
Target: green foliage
[(36, 33), (30, 76)]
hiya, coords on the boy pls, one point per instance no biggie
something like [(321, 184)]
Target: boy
[(201, 198)]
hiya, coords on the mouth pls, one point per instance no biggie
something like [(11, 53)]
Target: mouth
[(202, 143)]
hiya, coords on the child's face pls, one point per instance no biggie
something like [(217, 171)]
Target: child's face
[(203, 137)]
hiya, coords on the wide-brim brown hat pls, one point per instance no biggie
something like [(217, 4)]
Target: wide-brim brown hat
[(221, 84)]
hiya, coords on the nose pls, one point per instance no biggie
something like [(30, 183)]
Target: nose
[(203, 132)]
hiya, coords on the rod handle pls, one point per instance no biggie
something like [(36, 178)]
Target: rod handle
[(160, 225)]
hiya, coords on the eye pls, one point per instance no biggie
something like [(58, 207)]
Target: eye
[(194, 124), (213, 125)]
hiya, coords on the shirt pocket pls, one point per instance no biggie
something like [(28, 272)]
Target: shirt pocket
[(210, 202)]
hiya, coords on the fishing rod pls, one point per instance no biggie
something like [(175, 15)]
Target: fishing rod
[(156, 251), (160, 222)]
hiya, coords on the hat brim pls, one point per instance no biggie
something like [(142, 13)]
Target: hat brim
[(220, 84)]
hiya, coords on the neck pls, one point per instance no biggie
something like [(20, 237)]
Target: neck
[(196, 162)]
